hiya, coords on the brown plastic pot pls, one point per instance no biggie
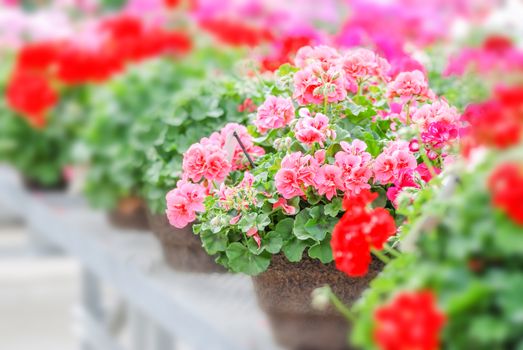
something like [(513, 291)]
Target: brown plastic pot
[(182, 249), (284, 293), (130, 213)]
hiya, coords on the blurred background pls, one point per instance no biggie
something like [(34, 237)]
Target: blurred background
[(120, 63)]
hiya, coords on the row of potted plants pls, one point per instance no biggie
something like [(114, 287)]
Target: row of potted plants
[(325, 172)]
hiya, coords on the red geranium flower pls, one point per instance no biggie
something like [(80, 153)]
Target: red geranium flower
[(506, 186), (236, 33), (410, 321), (358, 231), (31, 95), (37, 56), (498, 122)]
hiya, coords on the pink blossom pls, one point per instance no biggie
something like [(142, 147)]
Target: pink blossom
[(287, 209), (313, 85), (183, 202), (424, 172), (328, 180), (297, 172), (409, 85), (287, 183), (310, 130), (394, 158), (439, 134), (361, 64), (405, 179), (355, 168), (216, 165), (274, 113), (323, 55), (194, 162), (234, 220), (438, 111), (253, 232)]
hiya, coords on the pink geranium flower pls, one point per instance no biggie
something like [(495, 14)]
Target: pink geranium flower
[(274, 113), (287, 209), (313, 85), (361, 64), (328, 180), (183, 202), (410, 85), (394, 158), (311, 130), (194, 162), (287, 183), (438, 111), (325, 56), (216, 165)]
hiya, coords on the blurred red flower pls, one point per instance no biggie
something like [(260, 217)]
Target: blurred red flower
[(497, 122), (32, 95), (284, 51), (506, 186), (358, 231), (37, 56), (410, 321), (236, 33)]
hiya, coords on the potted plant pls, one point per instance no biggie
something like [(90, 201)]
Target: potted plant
[(201, 106), (332, 127), (455, 284), (41, 116), (114, 165)]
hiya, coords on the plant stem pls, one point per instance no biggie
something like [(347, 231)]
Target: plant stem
[(380, 255), (424, 156), (392, 251), (340, 306), (408, 112)]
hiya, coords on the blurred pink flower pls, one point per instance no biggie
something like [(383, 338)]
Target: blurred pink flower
[(410, 85)]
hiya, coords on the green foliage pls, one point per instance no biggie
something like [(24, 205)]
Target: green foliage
[(469, 254), (199, 108)]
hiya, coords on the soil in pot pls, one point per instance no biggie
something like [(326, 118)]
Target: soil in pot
[(129, 214), (284, 293), (36, 185), (182, 249)]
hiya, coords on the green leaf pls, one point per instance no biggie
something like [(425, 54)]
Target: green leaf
[(334, 207), (262, 221), (247, 221), (299, 224), (284, 228), (322, 251), (213, 242), (272, 242), (242, 260), (293, 249)]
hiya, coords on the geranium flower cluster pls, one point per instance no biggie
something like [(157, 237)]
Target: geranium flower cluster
[(506, 186), (497, 122), (410, 321), (42, 68), (498, 54), (329, 135), (207, 164), (359, 230)]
